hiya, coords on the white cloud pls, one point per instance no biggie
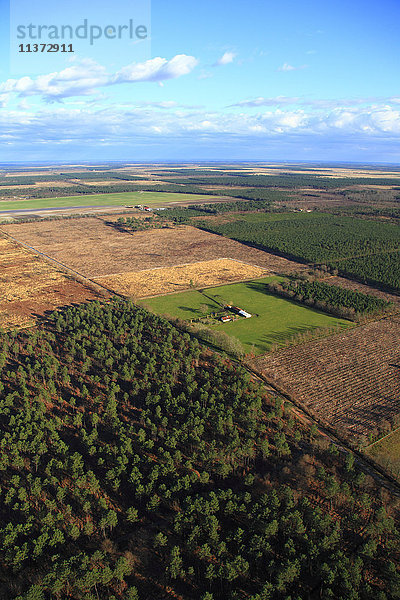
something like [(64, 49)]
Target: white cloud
[(157, 69), (287, 67), (225, 59), (327, 104), (86, 77), (168, 104), (276, 101), (205, 75)]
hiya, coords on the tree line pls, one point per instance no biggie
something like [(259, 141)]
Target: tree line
[(334, 299)]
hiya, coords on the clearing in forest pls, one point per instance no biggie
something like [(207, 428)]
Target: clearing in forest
[(387, 452), (274, 320)]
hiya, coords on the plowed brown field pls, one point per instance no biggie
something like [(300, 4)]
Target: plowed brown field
[(351, 380)]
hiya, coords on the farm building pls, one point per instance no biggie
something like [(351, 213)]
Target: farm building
[(239, 311), (226, 319), (142, 207)]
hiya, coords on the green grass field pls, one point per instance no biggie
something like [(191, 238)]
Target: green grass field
[(274, 319), (154, 199)]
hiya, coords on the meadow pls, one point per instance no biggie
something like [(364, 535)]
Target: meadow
[(164, 280), (154, 199), (274, 319), (94, 247), (31, 285)]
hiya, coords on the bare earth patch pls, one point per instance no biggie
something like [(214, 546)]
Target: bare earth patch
[(351, 380), (165, 280), (30, 286), (94, 248)]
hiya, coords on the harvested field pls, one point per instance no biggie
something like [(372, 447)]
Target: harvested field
[(351, 380), (94, 248), (165, 280), (37, 184), (30, 286)]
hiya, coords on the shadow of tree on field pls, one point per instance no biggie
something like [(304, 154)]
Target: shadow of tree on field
[(188, 309), (266, 340)]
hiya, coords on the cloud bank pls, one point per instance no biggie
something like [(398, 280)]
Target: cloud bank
[(86, 77), (127, 122)]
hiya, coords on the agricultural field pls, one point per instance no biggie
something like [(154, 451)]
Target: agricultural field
[(30, 286), (94, 248), (295, 186), (165, 280), (284, 180), (135, 463), (350, 380), (153, 199), (274, 320), (138, 460)]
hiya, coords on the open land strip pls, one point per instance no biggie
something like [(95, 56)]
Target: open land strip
[(153, 199)]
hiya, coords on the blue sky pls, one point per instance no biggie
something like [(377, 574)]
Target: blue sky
[(226, 80)]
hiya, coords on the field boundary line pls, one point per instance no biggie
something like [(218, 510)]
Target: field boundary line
[(202, 287), (382, 438)]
